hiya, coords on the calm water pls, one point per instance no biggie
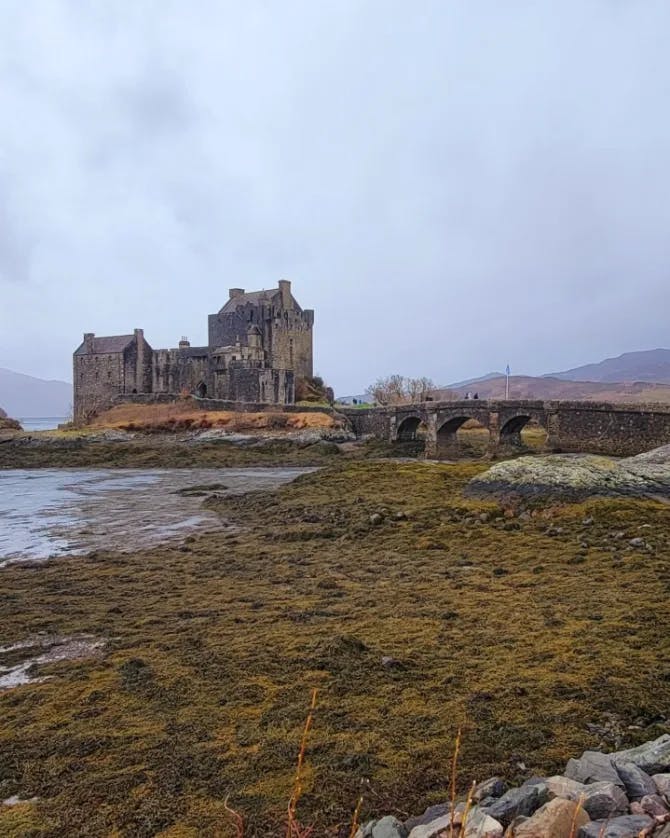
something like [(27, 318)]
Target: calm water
[(42, 423), (53, 512)]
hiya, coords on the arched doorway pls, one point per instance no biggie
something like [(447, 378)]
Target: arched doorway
[(201, 390)]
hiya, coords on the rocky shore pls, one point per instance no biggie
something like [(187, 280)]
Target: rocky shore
[(624, 794)]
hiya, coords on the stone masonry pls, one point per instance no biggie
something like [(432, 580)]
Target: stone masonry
[(259, 343)]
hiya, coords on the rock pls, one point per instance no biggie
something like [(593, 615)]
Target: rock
[(593, 767), (627, 826), (604, 800), (478, 825), (388, 827), (636, 781), (376, 519), (557, 819), (651, 804), (662, 783), (652, 757), (564, 787), (494, 787), (522, 801), (637, 542), (432, 813), (389, 662)]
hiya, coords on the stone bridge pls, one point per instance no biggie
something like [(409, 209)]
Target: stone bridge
[(589, 427)]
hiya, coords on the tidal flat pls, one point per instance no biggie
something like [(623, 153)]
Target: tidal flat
[(541, 630)]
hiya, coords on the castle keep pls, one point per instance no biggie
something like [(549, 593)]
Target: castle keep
[(259, 343)]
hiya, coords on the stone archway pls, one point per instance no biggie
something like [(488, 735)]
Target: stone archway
[(201, 390), (462, 436), (523, 432), (411, 433)]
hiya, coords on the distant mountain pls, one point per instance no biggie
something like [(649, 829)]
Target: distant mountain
[(544, 388), (650, 365), (458, 385), (24, 396)]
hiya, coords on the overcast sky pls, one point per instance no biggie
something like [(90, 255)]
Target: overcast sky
[(451, 185)]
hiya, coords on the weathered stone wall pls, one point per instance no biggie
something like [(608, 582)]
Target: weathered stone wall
[(222, 404), (176, 370)]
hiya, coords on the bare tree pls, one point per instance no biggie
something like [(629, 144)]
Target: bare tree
[(397, 389)]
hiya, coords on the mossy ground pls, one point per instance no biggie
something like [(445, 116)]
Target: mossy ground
[(521, 636)]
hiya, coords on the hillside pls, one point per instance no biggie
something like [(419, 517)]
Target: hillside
[(529, 387), (650, 365), (23, 395)]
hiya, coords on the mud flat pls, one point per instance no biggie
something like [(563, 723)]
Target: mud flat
[(56, 512)]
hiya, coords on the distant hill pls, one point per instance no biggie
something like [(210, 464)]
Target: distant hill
[(530, 387), (650, 365), (24, 396), (458, 385)]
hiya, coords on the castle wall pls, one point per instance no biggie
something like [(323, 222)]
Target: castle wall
[(179, 370)]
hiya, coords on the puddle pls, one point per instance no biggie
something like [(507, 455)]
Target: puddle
[(55, 649), (54, 512)]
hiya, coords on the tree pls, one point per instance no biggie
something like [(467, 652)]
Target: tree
[(398, 389)]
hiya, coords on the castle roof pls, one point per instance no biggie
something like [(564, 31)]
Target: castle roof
[(253, 297), (106, 345)]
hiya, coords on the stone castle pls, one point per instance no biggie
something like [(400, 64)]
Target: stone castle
[(260, 342)]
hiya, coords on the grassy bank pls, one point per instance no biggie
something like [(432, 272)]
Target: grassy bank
[(522, 635)]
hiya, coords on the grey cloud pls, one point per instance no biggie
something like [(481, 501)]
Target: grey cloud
[(450, 186)]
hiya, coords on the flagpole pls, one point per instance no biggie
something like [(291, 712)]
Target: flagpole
[(507, 383)]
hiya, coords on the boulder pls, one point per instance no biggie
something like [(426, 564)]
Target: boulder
[(388, 827), (478, 825), (662, 783), (522, 801), (604, 800), (493, 787), (557, 819), (593, 767), (652, 757), (627, 826), (651, 804), (432, 813), (564, 787), (636, 781)]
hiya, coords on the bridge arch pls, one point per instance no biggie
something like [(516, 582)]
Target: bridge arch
[(462, 435), (523, 430), (410, 429)]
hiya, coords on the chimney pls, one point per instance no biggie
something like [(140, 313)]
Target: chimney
[(285, 292), (184, 343), (89, 337), (235, 292)]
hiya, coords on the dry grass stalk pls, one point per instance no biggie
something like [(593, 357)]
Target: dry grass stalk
[(578, 807), (293, 828), (239, 821), (354, 821), (454, 764), (466, 811)]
